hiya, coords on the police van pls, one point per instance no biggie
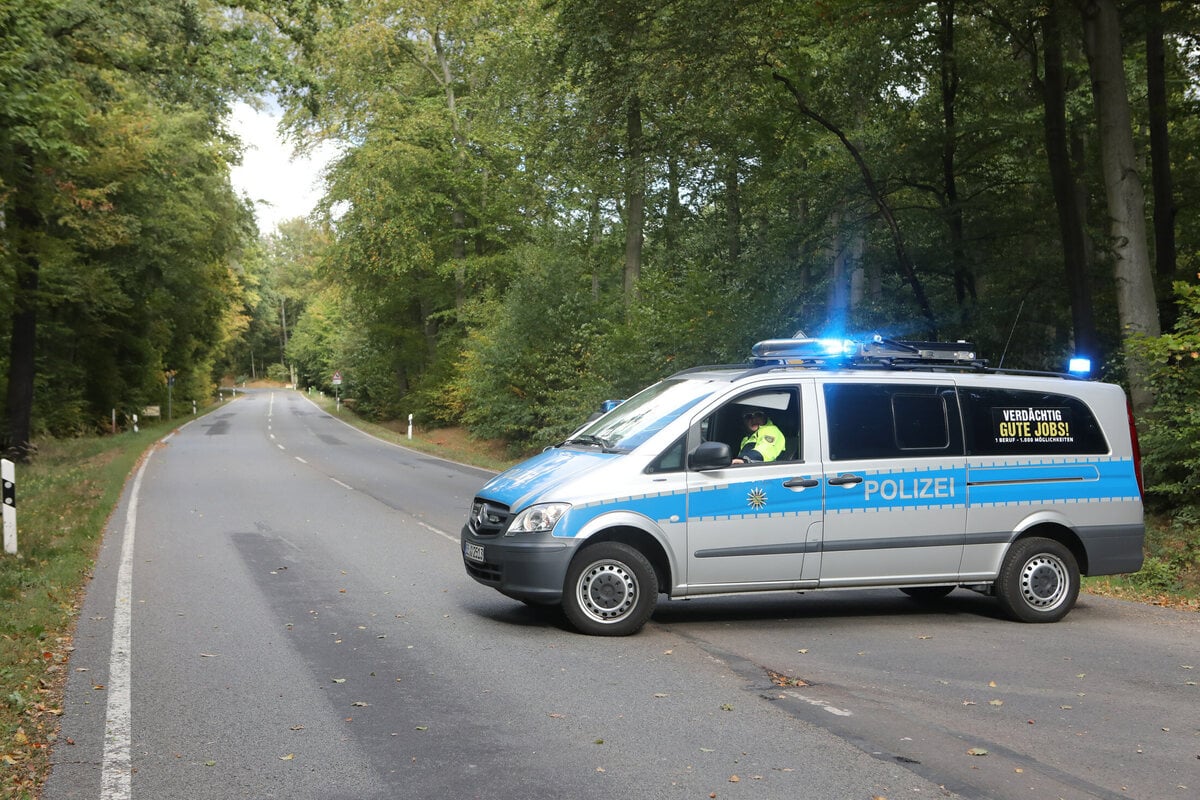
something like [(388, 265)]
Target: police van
[(903, 464)]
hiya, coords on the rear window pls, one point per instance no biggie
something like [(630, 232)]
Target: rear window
[(1013, 422)]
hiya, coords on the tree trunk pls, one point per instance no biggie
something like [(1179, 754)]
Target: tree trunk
[(964, 278), (283, 333), (1063, 184), (673, 223), (837, 303), (733, 210), (1160, 160), (635, 196), (458, 215), (26, 228), (1136, 306)]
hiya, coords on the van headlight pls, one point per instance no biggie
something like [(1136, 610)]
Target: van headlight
[(540, 518)]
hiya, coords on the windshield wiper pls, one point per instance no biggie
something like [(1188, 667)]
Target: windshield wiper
[(595, 441)]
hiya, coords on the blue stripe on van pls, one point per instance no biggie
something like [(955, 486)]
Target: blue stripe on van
[(1083, 480)]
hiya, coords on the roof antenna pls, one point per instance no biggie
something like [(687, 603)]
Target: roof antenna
[(1011, 332)]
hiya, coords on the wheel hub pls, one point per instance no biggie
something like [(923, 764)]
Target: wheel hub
[(1044, 582), (607, 591)]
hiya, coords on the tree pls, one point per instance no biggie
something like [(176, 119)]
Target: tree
[(1067, 197), (1136, 304), (119, 222)]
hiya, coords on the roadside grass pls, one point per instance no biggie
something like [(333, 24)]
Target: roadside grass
[(1170, 575), (64, 498), (454, 444), (67, 494)]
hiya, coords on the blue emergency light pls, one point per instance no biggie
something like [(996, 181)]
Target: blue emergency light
[(1079, 365), (875, 350)]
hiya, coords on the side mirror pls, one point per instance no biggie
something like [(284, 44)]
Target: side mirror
[(711, 455)]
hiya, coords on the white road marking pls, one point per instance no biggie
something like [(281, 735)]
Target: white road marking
[(301, 460), (116, 774), (822, 704), (443, 534), (343, 485)]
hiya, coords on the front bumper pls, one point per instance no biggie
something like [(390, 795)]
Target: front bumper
[(530, 568)]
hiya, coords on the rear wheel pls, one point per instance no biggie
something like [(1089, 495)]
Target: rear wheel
[(610, 590), (1038, 581)]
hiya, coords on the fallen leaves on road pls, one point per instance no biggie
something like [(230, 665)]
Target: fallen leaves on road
[(779, 679)]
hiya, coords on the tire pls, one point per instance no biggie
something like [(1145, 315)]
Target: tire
[(1038, 581), (611, 589), (927, 593)]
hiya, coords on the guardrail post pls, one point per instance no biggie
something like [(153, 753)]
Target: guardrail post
[(8, 477)]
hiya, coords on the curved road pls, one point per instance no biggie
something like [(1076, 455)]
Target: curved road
[(280, 610)]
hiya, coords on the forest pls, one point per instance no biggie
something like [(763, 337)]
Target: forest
[(538, 205)]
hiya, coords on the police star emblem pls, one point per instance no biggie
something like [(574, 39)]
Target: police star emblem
[(757, 499)]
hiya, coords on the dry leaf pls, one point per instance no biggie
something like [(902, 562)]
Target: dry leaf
[(977, 751)]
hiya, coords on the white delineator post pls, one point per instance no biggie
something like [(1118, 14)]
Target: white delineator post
[(8, 476)]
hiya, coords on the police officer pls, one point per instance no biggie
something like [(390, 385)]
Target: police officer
[(763, 442)]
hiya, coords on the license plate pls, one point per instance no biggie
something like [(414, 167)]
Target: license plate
[(473, 551)]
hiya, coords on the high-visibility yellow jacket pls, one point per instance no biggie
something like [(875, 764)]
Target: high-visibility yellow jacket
[(764, 444)]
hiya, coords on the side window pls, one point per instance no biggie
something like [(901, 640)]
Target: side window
[(1014, 422), (880, 420), (780, 408), (921, 421), (671, 459)]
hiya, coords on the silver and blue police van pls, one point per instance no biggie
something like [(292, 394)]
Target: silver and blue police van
[(910, 465)]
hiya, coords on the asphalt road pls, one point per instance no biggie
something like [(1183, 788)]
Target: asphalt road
[(291, 619)]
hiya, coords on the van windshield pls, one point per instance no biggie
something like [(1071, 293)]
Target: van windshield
[(643, 415)]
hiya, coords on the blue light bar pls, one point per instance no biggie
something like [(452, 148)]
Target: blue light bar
[(841, 352), (1079, 365)]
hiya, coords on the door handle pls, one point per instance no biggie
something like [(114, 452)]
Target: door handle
[(801, 483), (845, 479)]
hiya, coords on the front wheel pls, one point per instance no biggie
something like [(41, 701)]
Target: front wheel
[(610, 590), (1038, 581)]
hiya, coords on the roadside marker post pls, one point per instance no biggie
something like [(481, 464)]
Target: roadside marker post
[(8, 475)]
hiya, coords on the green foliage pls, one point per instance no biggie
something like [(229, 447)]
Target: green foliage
[(1157, 576), (1170, 433), (528, 373), (121, 231)]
